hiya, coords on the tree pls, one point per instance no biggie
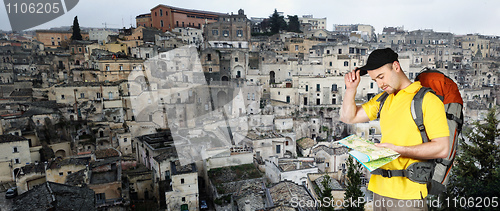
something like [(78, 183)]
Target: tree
[(293, 24), (76, 30), (476, 172), (326, 193), (277, 23), (353, 189)]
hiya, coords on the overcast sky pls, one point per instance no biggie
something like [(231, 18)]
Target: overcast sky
[(456, 16)]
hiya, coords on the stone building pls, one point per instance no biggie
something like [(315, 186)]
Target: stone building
[(54, 38), (166, 18), (15, 153), (230, 31)]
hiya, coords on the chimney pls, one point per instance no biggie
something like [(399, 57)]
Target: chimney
[(247, 206)]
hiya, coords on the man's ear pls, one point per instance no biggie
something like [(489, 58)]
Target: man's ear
[(396, 66)]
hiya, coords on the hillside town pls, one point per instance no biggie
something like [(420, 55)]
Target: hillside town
[(202, 110)]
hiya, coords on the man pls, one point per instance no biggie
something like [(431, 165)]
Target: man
[(399, 131)]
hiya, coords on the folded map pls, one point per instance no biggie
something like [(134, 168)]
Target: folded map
[(367, 153)]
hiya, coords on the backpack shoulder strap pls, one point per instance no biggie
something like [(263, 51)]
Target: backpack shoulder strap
[(381, 99), (417, 112)]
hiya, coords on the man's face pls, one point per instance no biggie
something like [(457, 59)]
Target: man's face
[(385, 77)]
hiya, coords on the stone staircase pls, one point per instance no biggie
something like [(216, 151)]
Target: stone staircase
[(6, 185)]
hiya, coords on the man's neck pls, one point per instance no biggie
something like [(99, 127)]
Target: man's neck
[(405, 82)]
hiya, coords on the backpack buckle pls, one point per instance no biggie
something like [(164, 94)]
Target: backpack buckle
[(386, 173), (421, 127)]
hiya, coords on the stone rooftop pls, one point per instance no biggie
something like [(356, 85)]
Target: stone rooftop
[(292, 165), (54, 196), (254, 192), (254, 135), (158, 140), (24, 92), (177, 168), (281, 208), (306, 143), (11, 138), (32, 168), (106, 153), (84, 84), (169, 154), (338, 150), (59, 162), (283, 192), (234, 173), (334, 184), (76, 178)]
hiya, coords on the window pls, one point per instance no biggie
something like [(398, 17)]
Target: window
[(61, 174), (147, 55), (209, 57), (182, 181), (161, 23), (318, 87), (215, 32), (334, 87), (209, 69), (225, 33), (100, 196), (331, 63), (288, 99), (278, 149), (239, 33), (340, 51), (107, 67), (371, 85), (125, 140), (16, 161), (346, 63), (110, 95), (307, 88), (82, 95), (236, 59), (69, 172), (14, 150), (62, 97), (161, 12), (296, 47), (183, 199)]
